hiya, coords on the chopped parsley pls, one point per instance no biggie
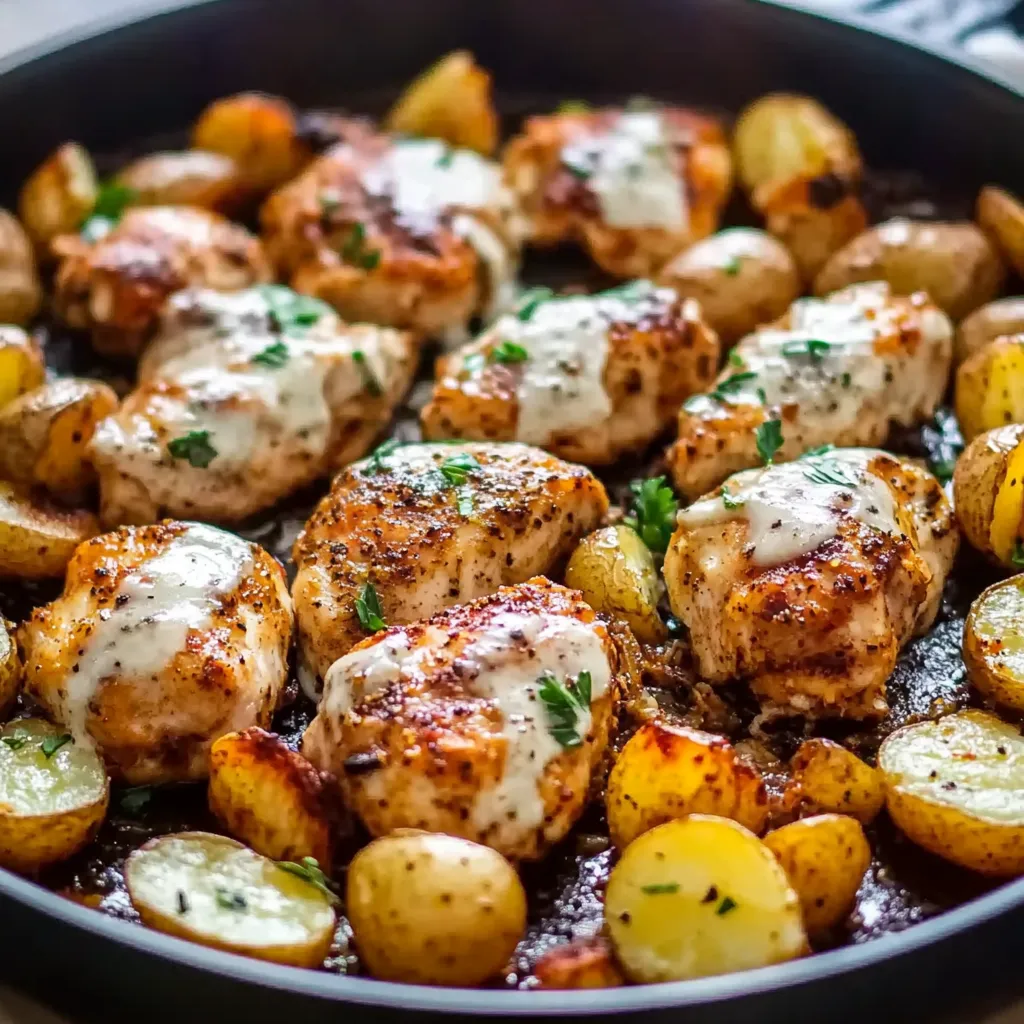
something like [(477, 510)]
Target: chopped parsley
[(52, 744), (730, 501), (564, 703), (309, 871), (769, 440), (576, 168), (823, 470), (732, 265), (195, 447), (660, 888), (725, 906), (444, 161), (134, 799), (464, 500), (1017, 555), (531, 299), (735, 359), (355, 251), (822, 449), (111, 202), (813, 347), (275, 355), (230, 899), (371, 616), (373, 386), (291, 311), (509, 352), (375, 463), (474, 363), (654, 512), (722, 390), (943, 469), (456, 468), (17, 741)]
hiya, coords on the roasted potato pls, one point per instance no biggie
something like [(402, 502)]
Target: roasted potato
[(666, 772), (988, 494), (45, 435), (59, 195), (214, 891), (10, 668), (20, 291), (829, 778), (991, 321), (583, 963), (741, 277), (451, 101), (994, 643), (269, 796), (700, 896), (956, 787), (615, 571), (36, 539), (187, 178), (989, 389), (1002, 216), (825, 858), (53, 794), (22, 366), (953, 262), (432, 909)]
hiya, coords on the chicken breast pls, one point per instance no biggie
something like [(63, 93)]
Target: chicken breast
[(486, 721), (405, 232), (590, 378), (807, 578), (840, 370), (242, 399), (164, 638), (116, 286), (427, 526), (634, 187)]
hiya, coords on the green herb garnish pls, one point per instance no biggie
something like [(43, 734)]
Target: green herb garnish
[(275, 355), (829, 471), (309, 871), (822, 449), (444, 161), (813, 347), (291, 311), (474, 363), (355, 251), (564, 703), (375, 463), (230, 899), (195, 447), (769, 440), (725, 906), (111, 202), (17, 741), (1017, 555), (464, 500), (52, 744), (735, 359), (576, 168), (373, 386), (530, 300), (371, 616), (509, 352), (654, 512), (660, 888), (731, 385), (730, 501), (732, 265), (134, 799), (456, 468)]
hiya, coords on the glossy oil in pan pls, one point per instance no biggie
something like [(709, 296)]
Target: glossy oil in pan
[(909, 108)]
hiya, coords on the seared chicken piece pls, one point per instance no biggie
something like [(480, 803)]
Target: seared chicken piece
[(406, 232), (840, 370), (486, 721), (242, 399), (165, 638), (634, 187), (808, 577), (116, 286), (428, 526), (590, 378)]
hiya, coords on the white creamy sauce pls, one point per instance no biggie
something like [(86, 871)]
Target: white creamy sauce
[(158, 604), (496, 261), (794, 508), (632, 170)]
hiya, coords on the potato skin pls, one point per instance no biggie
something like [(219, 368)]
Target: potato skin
[(58, 195), (994, 643), (22, 366), (830, 778), (432, 909), (825, 858), (989, 389), (741, 277), (37, 540), (665, 772), (10, 667), (1002, 216), (187, 178), (953, 261), (269, 796), (985, 324), (583, 963), (20, 291)]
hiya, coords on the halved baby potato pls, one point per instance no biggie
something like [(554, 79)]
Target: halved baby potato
[(53, 794), (825, 858), (20, 291), (989, 390), (59, 194), (37, 540), (22, 366), (993, 320), (1002, 216), (10, 667), (214, 891), (189, 177), (994, 643), (956, 787), (269, 796), (829, 778), (666, 772), (698, 897)]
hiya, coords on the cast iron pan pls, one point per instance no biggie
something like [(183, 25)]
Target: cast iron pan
[(910, 108)]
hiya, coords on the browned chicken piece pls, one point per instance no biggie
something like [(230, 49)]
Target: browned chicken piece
[(405, 232), (165, 638), (634, 187), (806, 578), (116, 286), (591, 378), (243, 398), (581, 963), (840, 371), (426, 526), (486, 721)]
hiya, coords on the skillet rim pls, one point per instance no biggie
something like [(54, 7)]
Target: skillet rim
[(504, 1002)]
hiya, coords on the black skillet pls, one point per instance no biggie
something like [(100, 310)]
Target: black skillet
[(910, 108)]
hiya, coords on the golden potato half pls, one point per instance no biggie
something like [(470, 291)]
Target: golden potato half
[(1002, 216), (22, 366), (59, 194), (994, 643), (214, 891), (828, 777), (985, 324), (20, 291), (36, 540), (10, 667), (53, 794), (956, 787), (989, 389)]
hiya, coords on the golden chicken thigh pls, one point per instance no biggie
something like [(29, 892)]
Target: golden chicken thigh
[(806, 578), (590, 378), (428, 526), (486, 721), (165, 638)]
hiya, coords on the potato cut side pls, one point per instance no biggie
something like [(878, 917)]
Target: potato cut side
[(59, 194), (10, 667), (956, 787), (989, 390), (214, 891), (1008, 509), (994, 643), (37, 540), (53, 794), (698, 897), (830, 778), (21, 364)]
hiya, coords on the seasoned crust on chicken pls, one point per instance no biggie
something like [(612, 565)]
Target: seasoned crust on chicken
[(427, 534), (443, 724), (164, 638), (809, 577), (633, 187), (590, 378), (406, 232), (243, 398), (116, 286), (838, 371)]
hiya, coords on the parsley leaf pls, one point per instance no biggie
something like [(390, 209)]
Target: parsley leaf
[(309, 871), (722, 390), (530, 300), (576, 167), (1017, 555), (275, 355), (730, 501), (355, 251), (474, 363), (727, 904), (230, 899), (444, 161), (509, 352), (732, 265), (373, 386), (17, 740), (291, 311), (52, 744), (195, 447), (111, 202), (735, 359), (659, 888), (456, 468), (813, 347), (823, 470), (564, 702), (822, 449), (464, 500), (134, 799), (371, 617), (375, 463), (654, 512), (769, 440)]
